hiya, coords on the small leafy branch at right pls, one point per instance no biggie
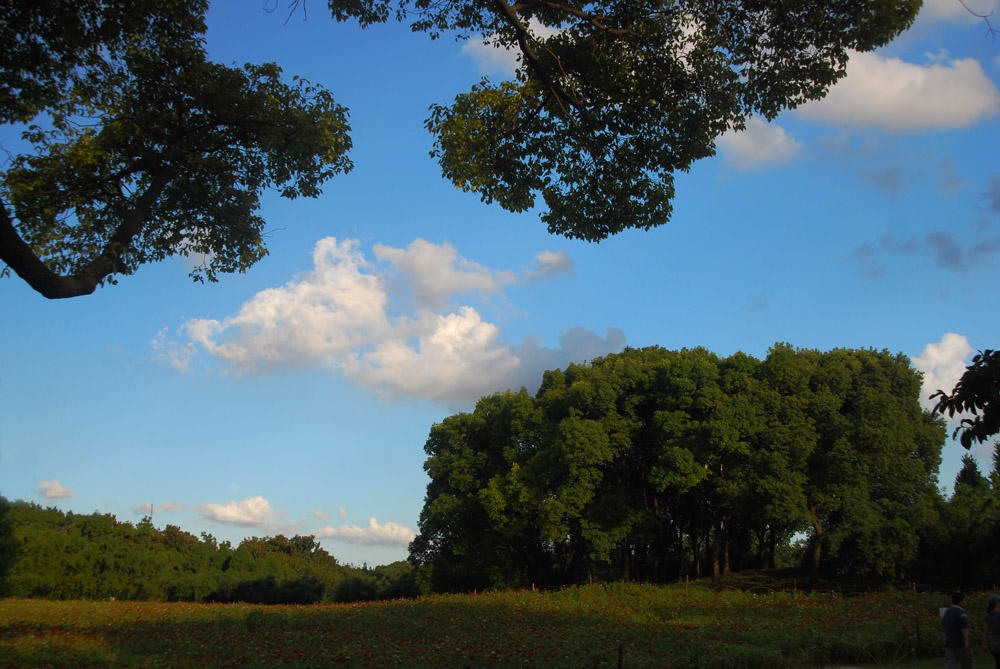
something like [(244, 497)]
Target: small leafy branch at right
[(978, 393)]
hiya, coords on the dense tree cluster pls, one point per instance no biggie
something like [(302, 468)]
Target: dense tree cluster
[(652, 464), (965, 544), (58, 555)]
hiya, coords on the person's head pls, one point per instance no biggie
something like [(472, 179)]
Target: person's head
[(958, 598), (992, 602)]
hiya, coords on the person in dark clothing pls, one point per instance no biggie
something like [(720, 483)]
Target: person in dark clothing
[(991, 629), (957, 653)]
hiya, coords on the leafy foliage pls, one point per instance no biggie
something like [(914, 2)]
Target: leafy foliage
[(142, 147), (652, 464), (70, 556), (8, 547), (978, 393), (611, 99)]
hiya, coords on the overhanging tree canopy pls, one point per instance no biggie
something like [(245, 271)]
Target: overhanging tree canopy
[(142, 148), (612, 98)]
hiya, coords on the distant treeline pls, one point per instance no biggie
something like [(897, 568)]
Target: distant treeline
[(55, 555), (655, 465)]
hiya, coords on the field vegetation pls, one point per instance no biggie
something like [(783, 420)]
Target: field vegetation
[(600, 625)]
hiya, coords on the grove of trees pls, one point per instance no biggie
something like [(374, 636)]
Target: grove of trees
[(655, 464)]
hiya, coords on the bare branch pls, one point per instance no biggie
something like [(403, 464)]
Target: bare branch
[(990, 30), (292, 6)]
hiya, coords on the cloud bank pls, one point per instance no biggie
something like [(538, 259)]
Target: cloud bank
[(256, 512), (391, 325), (374, 534), (892, 94)]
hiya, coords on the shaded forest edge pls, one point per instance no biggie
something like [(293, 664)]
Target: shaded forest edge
[(55, 555)]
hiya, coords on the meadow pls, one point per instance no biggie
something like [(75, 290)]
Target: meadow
[(601, 625)]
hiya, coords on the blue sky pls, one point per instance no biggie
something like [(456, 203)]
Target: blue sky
[(296, 398)]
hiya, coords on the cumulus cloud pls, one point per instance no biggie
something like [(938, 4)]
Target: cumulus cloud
[(251, 512), (54, 490), (435, 272), (760, 145), (942, 364), (340, 316), (892, 94), (374, 534)]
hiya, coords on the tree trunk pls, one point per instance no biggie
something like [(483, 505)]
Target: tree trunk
[(817, 544), (21, 258), (716, 549)]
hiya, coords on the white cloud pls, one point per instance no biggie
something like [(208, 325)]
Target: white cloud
[(388, 534), (251, 512), (54, 490), (456, 356), (759, 146), (320, 514), (435, 272), (892, 94), (336, 308), (338, 316), (942, 364)]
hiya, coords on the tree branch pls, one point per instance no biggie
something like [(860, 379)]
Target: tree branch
[(21, 258), (990, 30)]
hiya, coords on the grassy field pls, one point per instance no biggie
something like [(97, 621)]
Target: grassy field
[(605, 625)]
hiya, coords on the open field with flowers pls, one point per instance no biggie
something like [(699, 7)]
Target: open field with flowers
[(605, 625)]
